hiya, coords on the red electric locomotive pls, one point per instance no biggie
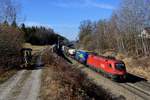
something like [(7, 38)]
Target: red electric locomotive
[(110, 67)]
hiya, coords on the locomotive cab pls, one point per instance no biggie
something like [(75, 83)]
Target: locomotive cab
[(120, 71), (120, 66)]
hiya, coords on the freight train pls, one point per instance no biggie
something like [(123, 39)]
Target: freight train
[(108, 66)]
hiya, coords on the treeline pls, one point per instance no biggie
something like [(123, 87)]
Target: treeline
[(42, 35), (120, 33)]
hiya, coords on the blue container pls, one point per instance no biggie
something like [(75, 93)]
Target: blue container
[(81, 56)]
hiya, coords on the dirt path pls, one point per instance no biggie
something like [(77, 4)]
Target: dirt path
[(25, 85), (6, 88), (31, 87)]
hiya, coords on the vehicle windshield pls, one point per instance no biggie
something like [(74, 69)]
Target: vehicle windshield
[(120, 66)]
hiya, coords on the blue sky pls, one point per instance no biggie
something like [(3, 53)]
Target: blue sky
[(64, 16)]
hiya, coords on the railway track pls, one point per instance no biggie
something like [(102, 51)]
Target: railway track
[(145, 83), (140, 90), (137, 90)]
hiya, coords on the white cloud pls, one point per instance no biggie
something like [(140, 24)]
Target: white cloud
[(83, 4), (65, 25), (30, 23), (103, 6)]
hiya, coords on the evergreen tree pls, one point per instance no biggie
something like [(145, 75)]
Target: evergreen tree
[(5, 23), (14, 24)]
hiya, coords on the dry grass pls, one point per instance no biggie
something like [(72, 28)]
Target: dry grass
[(140, 66), (61, 81), (35, 48)]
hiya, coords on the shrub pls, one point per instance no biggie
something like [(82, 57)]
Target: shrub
[(11, 40)]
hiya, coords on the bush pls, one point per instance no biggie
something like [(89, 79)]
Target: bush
[(11, 40)]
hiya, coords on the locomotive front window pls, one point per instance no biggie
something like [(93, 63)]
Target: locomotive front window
[(120, 66), (110, 66)]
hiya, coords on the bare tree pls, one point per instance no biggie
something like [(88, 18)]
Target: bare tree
[(133, 16), (9, 11), (85, 34)]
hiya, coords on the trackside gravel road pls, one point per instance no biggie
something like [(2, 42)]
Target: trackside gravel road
[(25, 85)]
